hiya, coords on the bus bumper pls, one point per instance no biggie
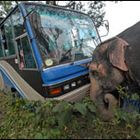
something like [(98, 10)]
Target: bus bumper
[(75, 95)]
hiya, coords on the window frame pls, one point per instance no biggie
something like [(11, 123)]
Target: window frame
[(19, 38), (16, 55)]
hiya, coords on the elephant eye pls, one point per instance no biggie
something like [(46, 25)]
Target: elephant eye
[(94, 60), (93, 72)]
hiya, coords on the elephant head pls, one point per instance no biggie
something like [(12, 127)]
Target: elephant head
[(106, 73)]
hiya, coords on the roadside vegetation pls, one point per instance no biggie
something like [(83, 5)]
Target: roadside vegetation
[(21, 119)]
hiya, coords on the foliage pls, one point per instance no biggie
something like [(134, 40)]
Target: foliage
[(5, 7), (55, 119)]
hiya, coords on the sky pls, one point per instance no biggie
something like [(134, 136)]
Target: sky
[(121, 15)]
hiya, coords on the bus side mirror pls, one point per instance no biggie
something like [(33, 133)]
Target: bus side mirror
[(106, 23), (104, 28)]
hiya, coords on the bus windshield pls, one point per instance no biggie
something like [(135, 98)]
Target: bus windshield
[(63, 36)]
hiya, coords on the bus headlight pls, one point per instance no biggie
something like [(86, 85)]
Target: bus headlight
[(66, 87), (73, 84)]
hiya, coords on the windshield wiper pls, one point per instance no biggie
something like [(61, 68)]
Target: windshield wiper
[(64, 55)]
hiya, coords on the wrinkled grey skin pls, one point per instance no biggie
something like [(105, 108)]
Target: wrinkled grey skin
[(112, 59)]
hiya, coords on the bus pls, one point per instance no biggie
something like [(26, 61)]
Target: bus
[(45, 51)]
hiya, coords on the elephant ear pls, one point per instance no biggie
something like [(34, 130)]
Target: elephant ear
[(117, 53)]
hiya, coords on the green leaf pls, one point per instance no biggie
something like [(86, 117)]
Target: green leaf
[(59, 107), (64, 117), (81, 108), (138, 133), (135, 96), (38, 136), (92, 108)]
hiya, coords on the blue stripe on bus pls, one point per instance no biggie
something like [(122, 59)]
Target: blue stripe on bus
[(6, 77)]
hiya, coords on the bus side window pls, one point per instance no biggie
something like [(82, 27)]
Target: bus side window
[(1, 46), (5, 49), (8, 37), (25, 53), (21, 55), (18, 23), (28, 55), (26, 58)]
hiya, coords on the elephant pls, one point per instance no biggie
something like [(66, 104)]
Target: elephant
[(114, 61)]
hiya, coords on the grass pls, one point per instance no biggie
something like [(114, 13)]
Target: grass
[(21, 119)]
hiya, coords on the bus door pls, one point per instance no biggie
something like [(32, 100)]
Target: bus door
[(25, 54)]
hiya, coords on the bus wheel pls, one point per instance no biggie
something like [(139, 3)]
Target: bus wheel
[(1, 83)]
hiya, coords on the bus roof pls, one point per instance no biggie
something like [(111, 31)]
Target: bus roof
[(56, 7)]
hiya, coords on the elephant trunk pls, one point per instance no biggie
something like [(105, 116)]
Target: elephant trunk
[(105, 102), (107, 110), (95, 89)]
